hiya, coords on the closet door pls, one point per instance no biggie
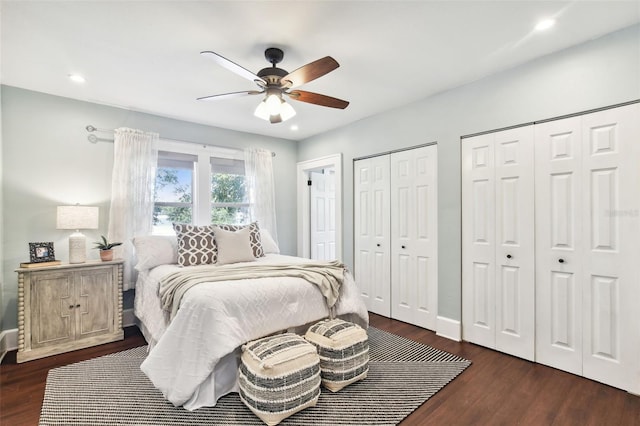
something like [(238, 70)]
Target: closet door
[(414, 244), (498, 241), (515, 279), (478, 241), (372, 232), (559, 241), (587, 236), (611, 208)]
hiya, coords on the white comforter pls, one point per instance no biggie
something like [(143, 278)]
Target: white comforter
[(194, 361)]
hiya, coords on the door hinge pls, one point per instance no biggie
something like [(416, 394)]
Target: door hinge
[(309, 182)]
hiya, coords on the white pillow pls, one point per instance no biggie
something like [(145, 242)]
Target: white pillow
[(155, 250), (233, 246), (268, 243)]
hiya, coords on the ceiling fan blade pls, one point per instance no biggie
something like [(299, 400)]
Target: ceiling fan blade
[(232, 66), (310, 72), (229, 95), (318, 99)]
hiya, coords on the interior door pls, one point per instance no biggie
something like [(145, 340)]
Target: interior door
[(414, 243), (559, 241), (514, 280), (322, 212), (498, 241), (611, 281), (478, 240), (372, 232)]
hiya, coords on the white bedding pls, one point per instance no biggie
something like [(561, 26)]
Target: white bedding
[(193, 360)]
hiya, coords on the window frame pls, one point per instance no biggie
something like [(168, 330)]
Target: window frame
[(202, 205)]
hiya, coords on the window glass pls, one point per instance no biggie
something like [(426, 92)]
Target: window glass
[(229, 195), (173, 196)]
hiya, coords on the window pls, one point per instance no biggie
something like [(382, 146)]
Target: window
[(229, 195), (200, 185), (174, 191)]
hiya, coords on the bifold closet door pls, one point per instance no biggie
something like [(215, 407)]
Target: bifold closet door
[(588, 245), (559, 242), (414, 242), (372, 233), (498, 288)]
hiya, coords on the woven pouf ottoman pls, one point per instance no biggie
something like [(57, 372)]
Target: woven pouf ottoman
[(343, 348), (279, 376)]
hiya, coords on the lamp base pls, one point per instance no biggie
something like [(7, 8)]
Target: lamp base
[(77, 248)]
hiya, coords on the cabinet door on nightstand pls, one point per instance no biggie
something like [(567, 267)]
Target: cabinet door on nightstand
[(95, 295), (52, 309)]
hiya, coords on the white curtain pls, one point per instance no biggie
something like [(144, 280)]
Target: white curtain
[(135, 160), (259, 173)]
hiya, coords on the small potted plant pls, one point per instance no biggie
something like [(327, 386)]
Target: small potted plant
[(106, 248)]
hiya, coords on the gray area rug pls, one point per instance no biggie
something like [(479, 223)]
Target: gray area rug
[(111, 390)]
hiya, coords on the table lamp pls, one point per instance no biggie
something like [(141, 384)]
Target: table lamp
[(77, 217)]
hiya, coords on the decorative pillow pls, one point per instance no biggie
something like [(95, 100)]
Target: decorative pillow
[(256, 243), (279, 376), (268, 243), (154, 250), (343, 348), (233, 246), (195, 244)]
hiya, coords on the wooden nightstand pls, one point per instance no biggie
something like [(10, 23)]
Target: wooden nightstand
[(67, 307)]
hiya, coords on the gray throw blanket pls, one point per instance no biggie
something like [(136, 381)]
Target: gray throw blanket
[(327, 276)]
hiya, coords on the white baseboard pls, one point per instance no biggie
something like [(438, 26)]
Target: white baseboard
[(128, 318), (9, 338), (449, 328), (8, 341)]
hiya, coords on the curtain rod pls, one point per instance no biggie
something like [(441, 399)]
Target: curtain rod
[(95, 139)]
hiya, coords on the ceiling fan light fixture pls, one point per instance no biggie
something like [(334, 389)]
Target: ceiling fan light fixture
[(273, 103), (262, 111), (274, 109), (286, 111)]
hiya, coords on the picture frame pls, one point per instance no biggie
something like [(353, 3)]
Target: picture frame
[(41, 252)]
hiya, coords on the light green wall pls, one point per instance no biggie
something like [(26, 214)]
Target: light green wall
[(48, 161), (599, 73)]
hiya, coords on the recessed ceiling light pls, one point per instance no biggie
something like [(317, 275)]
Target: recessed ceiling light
[(545, 24), (77, 78), (294, 127)]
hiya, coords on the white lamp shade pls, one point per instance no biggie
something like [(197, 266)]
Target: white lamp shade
[(77, 217)]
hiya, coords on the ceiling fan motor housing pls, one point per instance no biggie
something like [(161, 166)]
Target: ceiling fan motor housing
[(274, 55)]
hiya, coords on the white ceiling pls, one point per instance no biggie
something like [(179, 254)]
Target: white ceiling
[(144, 55)]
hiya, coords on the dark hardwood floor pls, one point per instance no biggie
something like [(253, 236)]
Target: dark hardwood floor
[(497, 389)]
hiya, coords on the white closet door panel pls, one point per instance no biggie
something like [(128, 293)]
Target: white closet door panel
[(414, 236), (558, 153), (478, 240), (514, 276), (322, 235), (611, 209), (371, 228)]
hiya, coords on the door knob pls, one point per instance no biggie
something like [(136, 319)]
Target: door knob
[(561, 260), (404, 247), (378, 245), (509, 256)]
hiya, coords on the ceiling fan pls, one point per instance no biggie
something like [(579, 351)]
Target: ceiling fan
[(276, 83)]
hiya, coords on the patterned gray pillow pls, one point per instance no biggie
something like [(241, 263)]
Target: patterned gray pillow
[(254, 237), (195, 244)]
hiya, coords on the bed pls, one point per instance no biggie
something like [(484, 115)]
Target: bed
[(193, 358)]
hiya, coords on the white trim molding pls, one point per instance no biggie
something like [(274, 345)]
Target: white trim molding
[(128, 318), (449, 328), (8, 341), (304, 215)]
